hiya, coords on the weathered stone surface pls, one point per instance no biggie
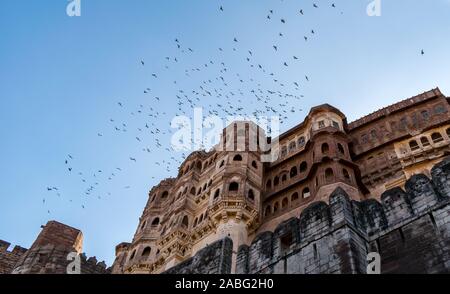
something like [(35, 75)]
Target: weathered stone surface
[(8, 259), (441, 178), (421, 192), (213, 259), (410, 230), (49, 253)]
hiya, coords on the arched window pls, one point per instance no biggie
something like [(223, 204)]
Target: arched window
[(294, 197), (413, 145), (325, 148), (254, 164), (209, 183), (192, 191), (306, 193), (303, 167), (200, 219), (276, 181), (185, 190), (237, 157), (292, 146), (284, 178), (222, 163), (146, 251), (133, 254), (293, 172), (164, 195), (284, 203), (341, 149), (251, 195), (269, 184), (301, 141), (234, 186), (185, 221), (275, 207), (346, 174), (143, 225), (283, 151), (217, 193), (329, 174), (436, 137), (195, 222), (424, 141), (267, 211), (199, 165), (155, 222), (199, 190)]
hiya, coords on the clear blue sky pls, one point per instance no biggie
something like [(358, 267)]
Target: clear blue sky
[(61, 79)]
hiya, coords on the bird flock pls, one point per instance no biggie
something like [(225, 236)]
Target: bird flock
[(219, 89), (213, 84)]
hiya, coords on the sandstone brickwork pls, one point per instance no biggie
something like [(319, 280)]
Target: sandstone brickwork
[(8, 259), (332, 192), (49, 253), (213, 259), (231, 192), (409, 229)]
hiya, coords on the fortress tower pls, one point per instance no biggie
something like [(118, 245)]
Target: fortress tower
[(231, 192)]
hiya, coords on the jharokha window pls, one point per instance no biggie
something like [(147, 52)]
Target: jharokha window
[(146, 252), (251, 195), (233, 187), (325, 148), (301, 141), (303, 167), (335, 124), (424, 141), (413, 145), (436, 137), (306, 193)]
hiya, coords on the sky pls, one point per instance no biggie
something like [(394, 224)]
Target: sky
[(62, 79)]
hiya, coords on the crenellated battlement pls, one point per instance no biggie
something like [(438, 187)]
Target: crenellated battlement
[(233, 192), (344, 224), (8, 258), (90, 265)]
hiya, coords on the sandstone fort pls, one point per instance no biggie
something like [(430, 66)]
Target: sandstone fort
[(337, 191)]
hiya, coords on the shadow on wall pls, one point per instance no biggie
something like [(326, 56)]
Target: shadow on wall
[(410, 229)]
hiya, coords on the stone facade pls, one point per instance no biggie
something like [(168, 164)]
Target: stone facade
[(409, 229), (334, 192), (49, 253), (213, 259), (231, 192)]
